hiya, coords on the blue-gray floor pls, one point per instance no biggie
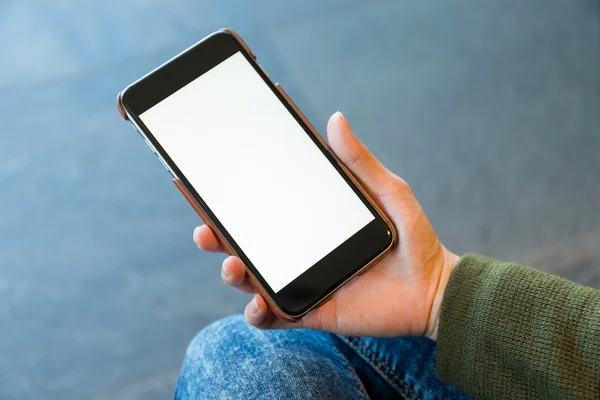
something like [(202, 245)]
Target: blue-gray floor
[(489, 109)]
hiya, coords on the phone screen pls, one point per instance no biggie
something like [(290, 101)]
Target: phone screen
[(256, 168)]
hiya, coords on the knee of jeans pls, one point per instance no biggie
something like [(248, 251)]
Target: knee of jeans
[(231, 346), (231, 359), (207, 357), (207, 345)]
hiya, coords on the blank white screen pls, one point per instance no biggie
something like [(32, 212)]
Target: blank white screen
[(257, 170)]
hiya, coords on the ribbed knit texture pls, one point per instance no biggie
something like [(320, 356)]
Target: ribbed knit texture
[(510, 332)]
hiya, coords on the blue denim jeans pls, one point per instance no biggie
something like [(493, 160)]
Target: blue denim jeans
[(232, 360)]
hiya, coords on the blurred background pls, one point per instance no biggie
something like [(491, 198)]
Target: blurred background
[(489, 109)]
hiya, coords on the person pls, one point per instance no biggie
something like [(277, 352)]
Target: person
[(422, 324)]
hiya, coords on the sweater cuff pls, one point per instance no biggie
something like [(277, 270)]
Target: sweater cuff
[(458, 308)]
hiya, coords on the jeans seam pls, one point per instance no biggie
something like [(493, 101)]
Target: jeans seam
[(357, 381), (386, 372)]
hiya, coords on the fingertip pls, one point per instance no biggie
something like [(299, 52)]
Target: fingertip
[(256, 311), (196, 235), (341, 139), (206, 240), (233, 271), (336, 121), (338, 115)]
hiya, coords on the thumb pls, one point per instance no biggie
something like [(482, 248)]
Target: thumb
[(376, 178)]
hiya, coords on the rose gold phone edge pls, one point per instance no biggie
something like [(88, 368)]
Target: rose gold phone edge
[(230, 250)]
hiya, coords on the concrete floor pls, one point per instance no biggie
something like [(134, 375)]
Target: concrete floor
[(489, 109)]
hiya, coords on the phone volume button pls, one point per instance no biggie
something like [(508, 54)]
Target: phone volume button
[(164, 164), (150, 146), (141, 135), (136, 129)]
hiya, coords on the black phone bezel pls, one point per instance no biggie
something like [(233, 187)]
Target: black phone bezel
[(320, 280)]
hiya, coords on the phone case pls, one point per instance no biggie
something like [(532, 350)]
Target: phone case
[(204, 217)]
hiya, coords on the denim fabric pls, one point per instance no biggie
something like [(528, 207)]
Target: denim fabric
[(232, 360)]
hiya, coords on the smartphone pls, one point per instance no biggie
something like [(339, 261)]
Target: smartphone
[(257, 172)]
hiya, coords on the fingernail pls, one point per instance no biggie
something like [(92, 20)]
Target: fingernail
[(196, 232), (253, 307), (226, 273), (340, 115)]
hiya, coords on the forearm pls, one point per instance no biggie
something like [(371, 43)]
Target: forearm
[(507, 331)]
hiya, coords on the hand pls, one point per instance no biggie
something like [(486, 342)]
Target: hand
[(401, 295)]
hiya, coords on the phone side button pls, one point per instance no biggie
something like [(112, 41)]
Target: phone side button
[(167, 168), (164, 164), (137, 130), (150, 147)]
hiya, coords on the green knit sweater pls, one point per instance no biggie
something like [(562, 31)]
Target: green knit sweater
[(510, 332)]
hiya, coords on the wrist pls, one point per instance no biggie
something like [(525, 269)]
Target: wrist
[(448, 263)]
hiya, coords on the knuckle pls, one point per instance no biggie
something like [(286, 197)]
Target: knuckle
[(399, 185)]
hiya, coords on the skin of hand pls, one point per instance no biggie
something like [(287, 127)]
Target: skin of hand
[(401, 295)]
